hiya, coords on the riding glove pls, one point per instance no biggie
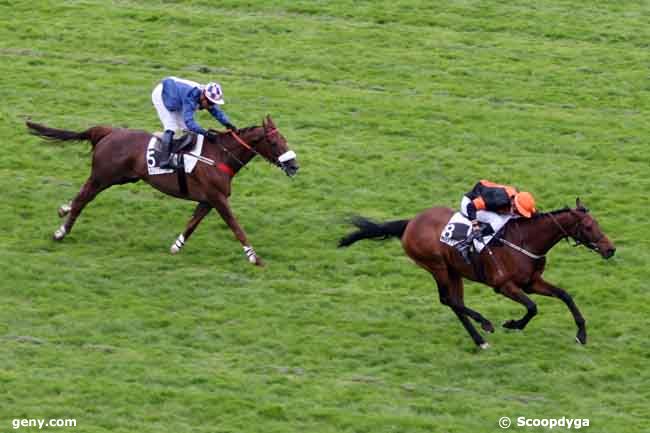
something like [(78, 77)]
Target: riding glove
[(212, 135)]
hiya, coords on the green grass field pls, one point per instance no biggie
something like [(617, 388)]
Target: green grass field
[(392, 107)]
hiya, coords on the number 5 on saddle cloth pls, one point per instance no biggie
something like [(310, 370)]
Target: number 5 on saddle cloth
[(192, 145)]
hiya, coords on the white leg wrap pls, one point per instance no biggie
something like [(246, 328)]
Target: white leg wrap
[(250, 254), (178, 244), (65, 209), (60, 233)]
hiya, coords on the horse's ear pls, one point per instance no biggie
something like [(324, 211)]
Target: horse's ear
[(580, 206)]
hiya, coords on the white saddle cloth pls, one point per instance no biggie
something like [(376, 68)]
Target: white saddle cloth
[(189, 161), (458, 227)]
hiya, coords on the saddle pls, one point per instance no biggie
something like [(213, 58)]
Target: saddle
[(468, 248), (459, 228), (458, 233), (179, 144), (182, 143), (184, 146), (469, 252)]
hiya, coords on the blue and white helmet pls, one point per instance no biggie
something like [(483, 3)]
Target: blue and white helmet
[(214, 93)]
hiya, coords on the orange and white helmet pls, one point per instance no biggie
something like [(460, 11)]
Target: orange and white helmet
[(214, 93), (525, 204)]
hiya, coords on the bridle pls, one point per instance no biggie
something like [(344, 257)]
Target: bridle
[(281, 161), (579, 235), (577, 238), (225, 168)]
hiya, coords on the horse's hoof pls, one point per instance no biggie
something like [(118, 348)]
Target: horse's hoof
[(59, 234), (176, 246), (485, 345), (63, 210), (511, 324), (487, 326), (252, 256), (582, 339)]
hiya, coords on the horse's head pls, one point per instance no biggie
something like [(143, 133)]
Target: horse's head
[(273, 147), (588, 233)]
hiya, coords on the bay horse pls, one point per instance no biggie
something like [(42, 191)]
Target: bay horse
[(119, 157), (512, 266)]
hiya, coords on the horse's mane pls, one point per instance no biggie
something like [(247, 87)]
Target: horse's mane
[(551, 212), (248, 128), (537, 217)]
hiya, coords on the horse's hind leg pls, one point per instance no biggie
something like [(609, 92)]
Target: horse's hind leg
[(202, 209), (543, 288), (64, 209), (451, 295), (485, 323), (458, 297), (88, 192)]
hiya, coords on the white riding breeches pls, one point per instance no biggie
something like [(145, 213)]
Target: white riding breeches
[(170, 120), (494, 219)]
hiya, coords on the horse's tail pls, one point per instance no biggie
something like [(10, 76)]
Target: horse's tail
[(94, 134), (372, 230)]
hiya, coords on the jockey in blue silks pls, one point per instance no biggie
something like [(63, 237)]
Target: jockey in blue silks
[(176, 100)]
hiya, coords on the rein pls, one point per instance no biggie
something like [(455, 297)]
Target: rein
[(564, 232), (528, 253), (591, 245), (521, 250), (222, 166), (239, 140)]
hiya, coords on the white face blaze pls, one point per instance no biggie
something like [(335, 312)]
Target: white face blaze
[(287, 156)]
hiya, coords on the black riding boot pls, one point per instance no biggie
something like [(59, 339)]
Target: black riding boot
[(466, 246), (167, 158), (465, 249)]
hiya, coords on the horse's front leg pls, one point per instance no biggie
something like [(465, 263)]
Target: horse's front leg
[(202, 209), (220, 203), (541, 287), (513, 292)]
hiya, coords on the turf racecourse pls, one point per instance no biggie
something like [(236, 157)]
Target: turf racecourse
[(391, 107)]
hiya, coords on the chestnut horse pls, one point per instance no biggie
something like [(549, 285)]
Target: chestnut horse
[(119, 157), (513, 266)]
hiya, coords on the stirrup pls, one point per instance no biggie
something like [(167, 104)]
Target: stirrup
[(180, 143), (465, 251), (171, 162)]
